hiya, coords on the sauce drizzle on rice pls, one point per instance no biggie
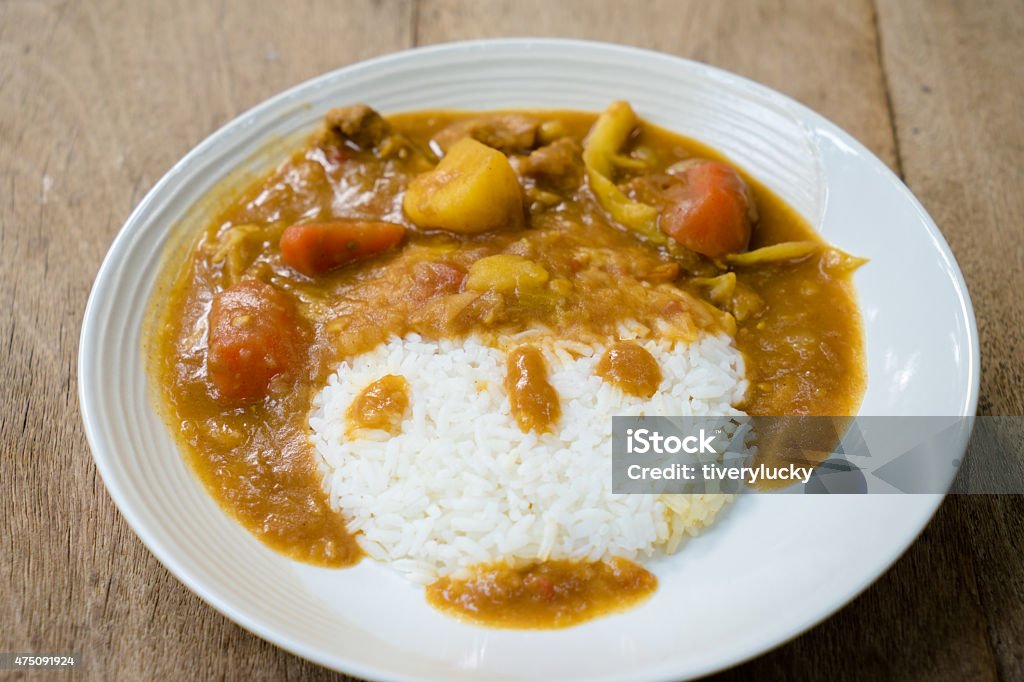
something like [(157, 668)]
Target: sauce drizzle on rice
[(630, 367), (532, 399), (381, 406)]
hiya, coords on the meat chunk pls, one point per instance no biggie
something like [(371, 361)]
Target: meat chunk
[(363, 128), (254, 337), (359, 124), (506, 132), (559, 163), (435, 278)]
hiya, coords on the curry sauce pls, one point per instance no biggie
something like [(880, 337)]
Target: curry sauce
[(550, 594), (565, 264), (631, 367), (533, 400), (381, 405)]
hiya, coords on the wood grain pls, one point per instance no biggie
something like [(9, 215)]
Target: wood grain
[(954, 71), (98, 99)]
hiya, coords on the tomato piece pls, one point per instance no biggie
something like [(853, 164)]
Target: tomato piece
[(711, 211), (316, 248), (254, 336), (436, 278)]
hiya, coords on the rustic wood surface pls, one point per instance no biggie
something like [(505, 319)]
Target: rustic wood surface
[(99, 98)]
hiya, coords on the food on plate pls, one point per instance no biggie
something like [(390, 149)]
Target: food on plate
[(317, 248), (473, 189), (408, 339)]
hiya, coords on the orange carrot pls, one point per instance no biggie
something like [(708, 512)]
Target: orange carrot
[(253, 337), (316, 248), (710, 212)]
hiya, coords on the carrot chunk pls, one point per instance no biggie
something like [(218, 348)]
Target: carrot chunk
[(254, 336), (711, 211), (316, 248)]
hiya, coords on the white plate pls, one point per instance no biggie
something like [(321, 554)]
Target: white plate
[(773, 567)]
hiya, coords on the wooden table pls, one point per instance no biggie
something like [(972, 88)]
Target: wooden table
[(99, 98)]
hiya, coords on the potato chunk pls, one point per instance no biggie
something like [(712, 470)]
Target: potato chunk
[(505, 272), (473, 189)]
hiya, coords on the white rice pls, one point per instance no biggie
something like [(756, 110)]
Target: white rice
[(463, 485)]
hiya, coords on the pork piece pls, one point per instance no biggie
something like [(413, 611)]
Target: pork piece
[(559, 164), (505, 132), (361, 127), (435, 278)]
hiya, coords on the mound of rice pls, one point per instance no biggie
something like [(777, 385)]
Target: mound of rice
[(463, 485)]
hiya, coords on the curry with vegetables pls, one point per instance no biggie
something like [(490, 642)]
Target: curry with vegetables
[(445, 224)]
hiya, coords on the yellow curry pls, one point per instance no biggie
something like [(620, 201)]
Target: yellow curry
[(447, 224)]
